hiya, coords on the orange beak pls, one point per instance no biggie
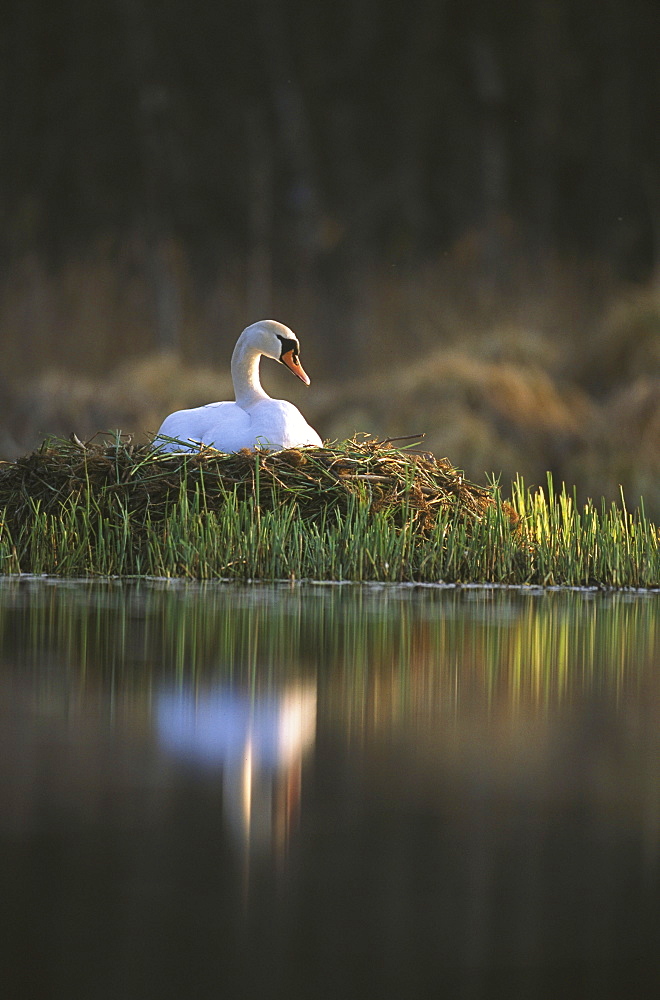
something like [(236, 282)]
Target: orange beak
[(293, 364)]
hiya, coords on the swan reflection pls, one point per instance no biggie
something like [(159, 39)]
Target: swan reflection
[(257, 741)]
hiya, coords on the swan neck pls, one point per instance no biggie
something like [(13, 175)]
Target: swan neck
[(245, 374)]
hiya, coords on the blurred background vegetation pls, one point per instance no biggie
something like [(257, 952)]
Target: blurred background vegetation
[(454, 203)]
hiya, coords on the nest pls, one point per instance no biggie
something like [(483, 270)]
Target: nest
[(409, 485)]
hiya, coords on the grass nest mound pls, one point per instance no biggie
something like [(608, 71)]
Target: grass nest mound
[(410, 485)]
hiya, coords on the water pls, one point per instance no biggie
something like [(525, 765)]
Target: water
[(337, 792)]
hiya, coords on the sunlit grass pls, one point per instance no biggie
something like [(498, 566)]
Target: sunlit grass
[(210, 529)]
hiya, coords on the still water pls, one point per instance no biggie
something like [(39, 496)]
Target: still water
[(328, 792)]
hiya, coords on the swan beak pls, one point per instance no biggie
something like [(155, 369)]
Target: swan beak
[(293, 364)]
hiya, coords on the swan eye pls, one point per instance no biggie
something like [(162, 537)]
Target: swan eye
[(288, 345)]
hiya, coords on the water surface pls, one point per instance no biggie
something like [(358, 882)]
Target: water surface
[(318, 791)]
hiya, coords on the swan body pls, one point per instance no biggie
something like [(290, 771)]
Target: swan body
[(255, 420)]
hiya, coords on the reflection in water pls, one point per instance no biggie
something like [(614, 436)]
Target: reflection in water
[(257, 742), (439, 792)]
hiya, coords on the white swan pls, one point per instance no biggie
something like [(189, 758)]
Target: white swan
[(255, 419)]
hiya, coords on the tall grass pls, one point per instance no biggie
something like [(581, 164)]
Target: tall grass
[(556, 542)]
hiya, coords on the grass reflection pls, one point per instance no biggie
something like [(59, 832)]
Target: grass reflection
[(378, 651)]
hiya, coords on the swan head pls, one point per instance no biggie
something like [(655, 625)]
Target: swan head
[(276, 341)]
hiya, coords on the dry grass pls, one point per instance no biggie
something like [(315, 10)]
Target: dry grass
[(411, 487)]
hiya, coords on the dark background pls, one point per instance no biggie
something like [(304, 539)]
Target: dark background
[(387, 179)]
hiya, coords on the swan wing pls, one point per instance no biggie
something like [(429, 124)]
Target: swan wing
[(276, 423), (225, 426)]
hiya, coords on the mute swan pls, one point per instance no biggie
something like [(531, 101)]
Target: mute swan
[(255, 419)]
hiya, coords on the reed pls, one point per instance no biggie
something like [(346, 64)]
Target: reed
[(362, 510)]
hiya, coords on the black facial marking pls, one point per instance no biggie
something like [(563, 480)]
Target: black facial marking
[(288, 345)]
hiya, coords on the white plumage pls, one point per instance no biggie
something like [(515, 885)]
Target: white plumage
[(255, 419)]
